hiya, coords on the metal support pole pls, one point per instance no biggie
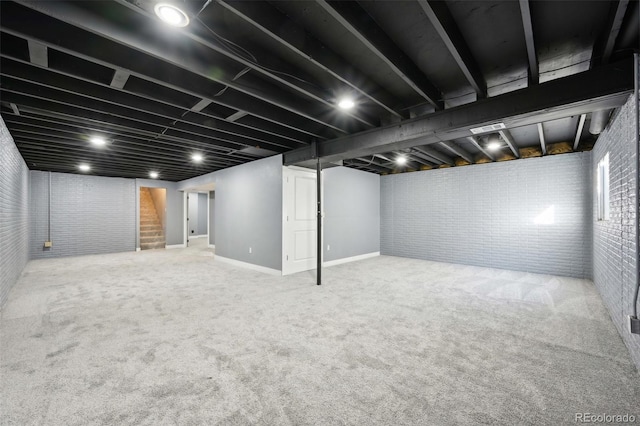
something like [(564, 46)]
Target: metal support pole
[(636, 93), (319, 237)]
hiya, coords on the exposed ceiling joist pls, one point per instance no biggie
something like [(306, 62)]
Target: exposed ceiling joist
[(32, 95), (416, 153), (349, 15), (154, 127), (270, 21), (431, 155), (373, 166), (117, 156), (581, 121), (38, 53), (183, 58), (474, 141), (435, 154), (236, 116), (277, 76), (202, 104), (457, 150), (157, 72), (543, 143), (508, 138), (384, 157), (373, 161), (43, 127), (446, 27), (604, 46), (600, 88), (16, 67), (525, 11), (18, 74), (417, 159)]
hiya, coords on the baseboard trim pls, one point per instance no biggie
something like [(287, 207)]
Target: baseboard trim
[(248, 265), (351, 259), (212, 246), (175, 246)]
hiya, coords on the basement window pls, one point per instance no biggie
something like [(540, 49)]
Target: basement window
[(602, 185)]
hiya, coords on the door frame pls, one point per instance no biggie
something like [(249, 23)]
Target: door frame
[(186, 192), (285, 173)]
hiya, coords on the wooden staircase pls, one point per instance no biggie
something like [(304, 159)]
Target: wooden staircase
[(151, 232)]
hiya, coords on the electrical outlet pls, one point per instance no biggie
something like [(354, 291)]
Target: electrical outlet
[(48, 244), (249, 250), (634, 325), (328, 247)]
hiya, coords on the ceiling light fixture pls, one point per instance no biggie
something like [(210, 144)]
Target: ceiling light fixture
[(197, 158), (171, 15), (346, 103), (401, 160), (494, 142), (494, 146), (153, 175), (84, 167), (98, 141)]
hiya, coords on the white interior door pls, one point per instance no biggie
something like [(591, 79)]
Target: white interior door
[(299, 221)]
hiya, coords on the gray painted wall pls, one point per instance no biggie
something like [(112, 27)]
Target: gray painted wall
[(14, 213), (192, 213), (175, 217), (248, 212), (212, 222), (203, 214), (89, 214), (194, 182), (351, 213), (485, 215), (614, 248), (174, 213)]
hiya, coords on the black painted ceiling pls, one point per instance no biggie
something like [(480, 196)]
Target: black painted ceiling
[(248, 79)]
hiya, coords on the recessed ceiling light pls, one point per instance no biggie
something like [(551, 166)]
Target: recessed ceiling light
[(346, 103), (153, 175), (171, 15), (197, 158), (84, 167), (98, 141), (494, 146), (401, 160)]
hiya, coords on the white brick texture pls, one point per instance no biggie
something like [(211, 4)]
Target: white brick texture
[(89, 214), (486, 215), (14, 213), (614, 269)]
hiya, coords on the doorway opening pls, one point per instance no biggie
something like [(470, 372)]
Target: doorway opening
[(197, 216), (153, 209)]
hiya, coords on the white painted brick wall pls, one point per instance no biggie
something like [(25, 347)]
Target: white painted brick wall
[(614, 240), (89, 214), (14, 213), (484, 215)]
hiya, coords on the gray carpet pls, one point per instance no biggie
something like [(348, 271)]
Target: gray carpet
[(173, 337)]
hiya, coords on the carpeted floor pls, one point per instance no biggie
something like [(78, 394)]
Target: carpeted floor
[(173, 337)]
